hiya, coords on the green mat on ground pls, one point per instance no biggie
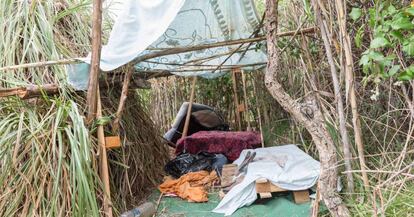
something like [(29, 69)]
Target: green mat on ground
[(281, 206)]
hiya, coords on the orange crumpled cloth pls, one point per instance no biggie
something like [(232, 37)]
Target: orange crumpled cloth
[(190, 186)]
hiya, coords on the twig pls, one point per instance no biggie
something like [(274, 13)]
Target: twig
[(158, 204), (41, 64)]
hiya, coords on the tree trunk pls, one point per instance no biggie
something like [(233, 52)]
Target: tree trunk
[(307, 114)]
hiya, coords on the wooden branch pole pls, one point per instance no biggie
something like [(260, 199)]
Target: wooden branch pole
[(169, 51), (122, 100), (40, 64), (103, 159), (246, 104), (259, 114), (30, 91), (94, 103), (95, 60), (190, 106), (236, 98)]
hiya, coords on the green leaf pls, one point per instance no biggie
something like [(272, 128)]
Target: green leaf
[(407, 74), (355, 13), (394, 70), (410, 11), (397, 34), (379, 42), (359, 36), (376, 56), (364, 60), (402, 23), (103, 121), (408, 48), (391, 9)]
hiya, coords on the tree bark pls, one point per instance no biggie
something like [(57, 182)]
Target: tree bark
[(307, 114), (30, 91)]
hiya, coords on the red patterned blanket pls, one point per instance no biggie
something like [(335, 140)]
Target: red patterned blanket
[(230, 144)]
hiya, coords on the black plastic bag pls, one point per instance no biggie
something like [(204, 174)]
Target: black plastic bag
[(185, 163)]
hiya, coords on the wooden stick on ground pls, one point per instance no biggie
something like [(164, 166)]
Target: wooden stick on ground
[(190, 106), (103, 158), (158, 204)]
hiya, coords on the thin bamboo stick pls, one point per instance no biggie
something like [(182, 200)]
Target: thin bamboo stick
[(41, 64), (258, 112), (338, 96), (350, 87), (190, 106), (104, 171), (236, 98)]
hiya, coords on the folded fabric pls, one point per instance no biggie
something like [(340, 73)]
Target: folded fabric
[(285, 166), (231, 144), (191, 186)]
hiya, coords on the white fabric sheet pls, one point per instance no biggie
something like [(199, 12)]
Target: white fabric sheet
[(285, 166), (161, 24), (141, 22)]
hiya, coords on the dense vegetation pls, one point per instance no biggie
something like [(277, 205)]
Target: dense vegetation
[(44, 143)]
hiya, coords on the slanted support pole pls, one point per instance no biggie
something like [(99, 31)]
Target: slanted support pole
[(189, 108), (94, 102)]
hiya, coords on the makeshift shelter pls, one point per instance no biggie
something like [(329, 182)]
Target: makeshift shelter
[(194, 24), (216, 37)]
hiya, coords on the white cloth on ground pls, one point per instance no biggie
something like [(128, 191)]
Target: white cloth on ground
[(285, 166)]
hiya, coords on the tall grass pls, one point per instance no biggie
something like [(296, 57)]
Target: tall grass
[(36, 31), (46, 160), (46, 154)]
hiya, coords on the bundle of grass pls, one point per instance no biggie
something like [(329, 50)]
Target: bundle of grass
[(137, 167), (47, 154), (46, 166), (46, 162)]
